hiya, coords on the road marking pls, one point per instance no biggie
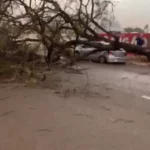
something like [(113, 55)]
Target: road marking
[(146, 97)]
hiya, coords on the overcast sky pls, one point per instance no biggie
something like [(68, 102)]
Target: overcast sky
[(135, 13)]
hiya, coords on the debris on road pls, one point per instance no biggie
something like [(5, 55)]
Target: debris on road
[(43, 130), (123, 120), (6, 113), (3, 99)]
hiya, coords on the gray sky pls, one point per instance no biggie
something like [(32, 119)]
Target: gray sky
[(134, 13)]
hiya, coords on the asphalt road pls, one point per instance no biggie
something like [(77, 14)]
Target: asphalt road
[(102, 108), (132, 79), (126, 83)]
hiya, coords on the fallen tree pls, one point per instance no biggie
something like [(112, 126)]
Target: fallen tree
[(59, 25)]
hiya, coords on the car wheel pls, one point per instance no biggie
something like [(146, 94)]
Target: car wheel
[(124, 63), (102, 59), (77, 55)]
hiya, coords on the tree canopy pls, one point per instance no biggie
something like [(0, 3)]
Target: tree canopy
[(137, 29), (59, 24)]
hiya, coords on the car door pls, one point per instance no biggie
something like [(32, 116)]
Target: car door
[(87, 49)]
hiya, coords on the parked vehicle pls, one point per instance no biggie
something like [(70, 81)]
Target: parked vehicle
[(117, 56)]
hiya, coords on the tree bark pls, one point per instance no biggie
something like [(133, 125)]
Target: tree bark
[(49, 54)]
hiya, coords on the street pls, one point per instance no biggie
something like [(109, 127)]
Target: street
[(102, 107)]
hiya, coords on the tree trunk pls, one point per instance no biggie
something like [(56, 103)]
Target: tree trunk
[(50, 50)]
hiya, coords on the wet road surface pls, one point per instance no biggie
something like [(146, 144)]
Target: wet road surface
[(109, 113), (132, 79)]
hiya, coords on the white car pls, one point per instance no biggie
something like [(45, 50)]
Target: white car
[(117, 56)]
